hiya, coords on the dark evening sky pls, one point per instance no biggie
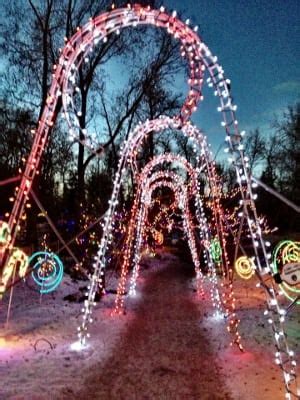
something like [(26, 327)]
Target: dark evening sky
[(258, 44)]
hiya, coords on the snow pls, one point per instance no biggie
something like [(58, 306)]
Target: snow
[(168, 345)]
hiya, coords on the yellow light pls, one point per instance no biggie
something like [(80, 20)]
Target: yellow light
[(244, 267)]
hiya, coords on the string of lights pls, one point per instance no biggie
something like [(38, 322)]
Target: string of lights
[(200, 61)]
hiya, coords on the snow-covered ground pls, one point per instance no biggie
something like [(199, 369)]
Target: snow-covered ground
[(167, 346)]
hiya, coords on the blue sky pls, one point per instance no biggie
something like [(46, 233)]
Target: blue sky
[(258, 44)]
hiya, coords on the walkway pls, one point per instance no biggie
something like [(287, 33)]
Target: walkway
[(165, 353)]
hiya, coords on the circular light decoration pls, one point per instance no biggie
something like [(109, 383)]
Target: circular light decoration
[(47, 270), (244, 267), (286, 268), (216, 250)]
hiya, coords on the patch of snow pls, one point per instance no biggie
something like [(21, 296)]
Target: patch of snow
[(168, 345)]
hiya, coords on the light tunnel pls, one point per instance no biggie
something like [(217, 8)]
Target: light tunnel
[(203, 66)]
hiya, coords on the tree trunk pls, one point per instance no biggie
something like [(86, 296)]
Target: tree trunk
[(80, 160)]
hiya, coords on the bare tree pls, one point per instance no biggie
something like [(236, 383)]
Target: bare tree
[(287, 154), (254, 148), (32, 37)]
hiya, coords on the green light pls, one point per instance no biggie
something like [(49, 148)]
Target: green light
[(286, 252), (4, 233), (216, 250)]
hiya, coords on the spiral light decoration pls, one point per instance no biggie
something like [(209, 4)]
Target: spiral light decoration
[(245, 267), (47, 271)]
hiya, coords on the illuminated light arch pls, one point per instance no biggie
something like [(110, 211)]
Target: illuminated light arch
[(193, 132), (162, 179), (146, 178), (73, 54), (203, 153), (145, 175), (128, 153), (200, 60), (140, 133), (181, 200), (128, 150)]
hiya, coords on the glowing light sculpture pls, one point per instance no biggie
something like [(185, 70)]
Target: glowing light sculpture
[(200, 61), (286, 257), (245, 267), (181, 199), (146, 199), (216, 250), (47, 271), (146, 178), (5, 235), (63, 85), (17, 258)]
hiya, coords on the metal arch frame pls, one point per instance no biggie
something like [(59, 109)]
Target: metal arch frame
[(141, 131), (192, 132), (146, 178), (158, 179), (100, 265), (181, 198), (189, 130), (144, 195)]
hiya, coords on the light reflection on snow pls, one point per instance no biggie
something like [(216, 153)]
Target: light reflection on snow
[(132, 293), (9, 347), (78, 346), (217, 316), (135, 294)]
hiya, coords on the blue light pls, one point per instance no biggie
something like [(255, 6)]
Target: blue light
[(49, 279)]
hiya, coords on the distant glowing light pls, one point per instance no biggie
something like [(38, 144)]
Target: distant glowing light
[(216, 250), (78, 346), (245, 267), (4, 233), (217, 316)]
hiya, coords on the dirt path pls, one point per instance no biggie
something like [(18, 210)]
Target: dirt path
[(164, 354)]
